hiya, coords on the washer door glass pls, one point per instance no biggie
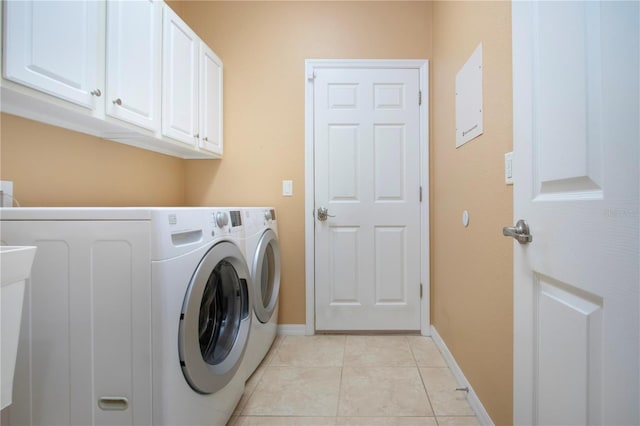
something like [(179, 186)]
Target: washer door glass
[(215, 320), (266, 275), (220, 313)]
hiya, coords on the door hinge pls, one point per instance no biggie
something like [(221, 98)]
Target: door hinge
[(311, 77), (420, 290), (419, 97), (421, 193)]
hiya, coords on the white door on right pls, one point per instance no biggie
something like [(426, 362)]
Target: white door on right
[(576, 87)]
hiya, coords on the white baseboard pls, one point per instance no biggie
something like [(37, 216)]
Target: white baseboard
[(292, 329), (474, 401)]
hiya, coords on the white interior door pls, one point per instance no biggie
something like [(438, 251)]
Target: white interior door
[(367, 176), (576, 137)]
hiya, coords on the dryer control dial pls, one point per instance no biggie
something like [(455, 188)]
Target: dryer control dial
[(267, 215), (221, 219)]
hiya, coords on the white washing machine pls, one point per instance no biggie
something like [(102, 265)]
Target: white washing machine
[(132, 316), (202, 297), (263, 257)]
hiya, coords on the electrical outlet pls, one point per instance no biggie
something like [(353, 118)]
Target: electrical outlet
[(6, 193)]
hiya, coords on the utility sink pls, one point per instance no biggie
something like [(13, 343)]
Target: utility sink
[(15, 268)]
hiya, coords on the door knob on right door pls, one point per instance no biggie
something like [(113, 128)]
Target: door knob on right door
[(520, 232)]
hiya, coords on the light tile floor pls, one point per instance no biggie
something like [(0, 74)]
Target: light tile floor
[(353, 380)]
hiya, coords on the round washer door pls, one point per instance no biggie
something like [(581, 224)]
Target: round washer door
[(215, 320), (266, 275)]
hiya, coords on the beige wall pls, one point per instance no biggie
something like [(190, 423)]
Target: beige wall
[(50, 166), (263, 46), (471, 275)]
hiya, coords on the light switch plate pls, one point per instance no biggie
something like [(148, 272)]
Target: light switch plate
[(508, 168), (287, 188)]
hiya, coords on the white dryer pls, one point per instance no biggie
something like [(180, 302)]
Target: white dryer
[(131, 316), (263, 257)]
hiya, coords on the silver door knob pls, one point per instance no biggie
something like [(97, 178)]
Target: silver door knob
[(117, 102), (520, 232), (323, 214), (96, 92)]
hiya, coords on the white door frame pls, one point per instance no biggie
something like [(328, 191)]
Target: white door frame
[(310, 66)]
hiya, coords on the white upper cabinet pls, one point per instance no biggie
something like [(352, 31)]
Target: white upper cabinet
[(210, 101), (54, 47), (126, 70), (191, 87), (134, 53), (179, 80)]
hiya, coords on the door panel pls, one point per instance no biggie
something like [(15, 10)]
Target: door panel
[(390, 246), (52, 46), (567, 100), (343, 266), (389, 153), (210, 100), (576, 161), (367, 165), (571, 321), (86, 325), (343, 162), (179, 79), (133, 61)]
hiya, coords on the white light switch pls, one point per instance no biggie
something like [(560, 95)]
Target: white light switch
[(508, 168), (287, 188)]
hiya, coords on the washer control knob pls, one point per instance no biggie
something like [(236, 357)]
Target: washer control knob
[(267, 215), (221, 219)]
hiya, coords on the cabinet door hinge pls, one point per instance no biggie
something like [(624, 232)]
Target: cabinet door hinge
[(420, 290), (419, 97), (420, 193)]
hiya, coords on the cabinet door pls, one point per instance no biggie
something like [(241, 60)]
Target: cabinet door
[(133, 61), (210, 101), (53, 46), (179, 79), (85, 333)]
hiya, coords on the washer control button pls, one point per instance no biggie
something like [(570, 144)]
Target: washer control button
[(222, 219)]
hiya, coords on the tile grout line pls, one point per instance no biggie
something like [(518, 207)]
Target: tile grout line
[(344, 352), (424, 385)]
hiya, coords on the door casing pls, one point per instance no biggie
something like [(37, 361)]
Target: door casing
[(310, 66)]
